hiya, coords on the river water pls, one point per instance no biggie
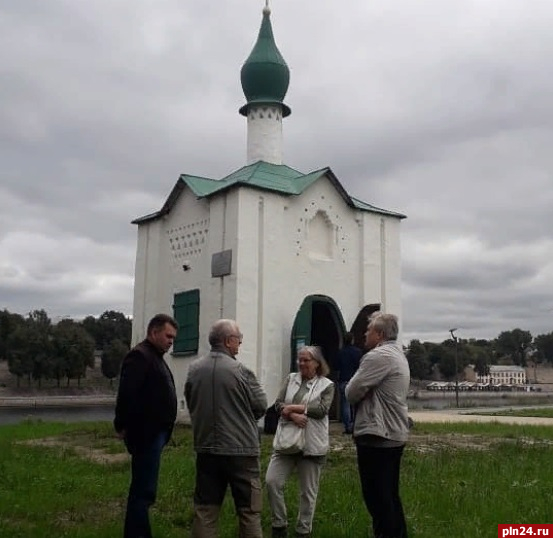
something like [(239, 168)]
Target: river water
[(93, 413), (15, 415)]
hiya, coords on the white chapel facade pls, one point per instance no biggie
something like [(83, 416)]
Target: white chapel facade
[(291, 256)]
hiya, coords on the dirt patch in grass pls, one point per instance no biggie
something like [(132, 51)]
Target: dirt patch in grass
[(82, 449), (91, 515), (434, 443), (424, 443), (457, 441)]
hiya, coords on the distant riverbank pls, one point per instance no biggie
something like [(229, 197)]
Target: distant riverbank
[(424, 399), (29, 402)]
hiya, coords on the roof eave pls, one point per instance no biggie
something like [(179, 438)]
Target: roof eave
[(167, 206)]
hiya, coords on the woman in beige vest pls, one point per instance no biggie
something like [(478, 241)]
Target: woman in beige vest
[(303, 401)]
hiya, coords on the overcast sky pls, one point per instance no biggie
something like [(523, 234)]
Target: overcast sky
[(441, 110)]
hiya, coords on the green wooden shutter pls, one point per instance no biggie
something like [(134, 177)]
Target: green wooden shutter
[(186, 310)]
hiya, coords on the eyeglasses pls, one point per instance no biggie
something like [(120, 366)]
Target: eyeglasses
[(239, 336), (305, 360)]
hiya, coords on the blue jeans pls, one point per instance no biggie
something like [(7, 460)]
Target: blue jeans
[(145, 460), (346, 411)]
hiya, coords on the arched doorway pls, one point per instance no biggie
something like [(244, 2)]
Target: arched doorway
[(318, 322), (359, 327)]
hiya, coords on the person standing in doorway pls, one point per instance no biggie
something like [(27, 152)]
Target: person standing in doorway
[(225, 401), (379, 390), (145, 414), (346, 364)]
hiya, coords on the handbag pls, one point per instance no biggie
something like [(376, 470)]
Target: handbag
[(289, 438)]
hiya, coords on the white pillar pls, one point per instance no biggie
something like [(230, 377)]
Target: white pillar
[(265, 133)]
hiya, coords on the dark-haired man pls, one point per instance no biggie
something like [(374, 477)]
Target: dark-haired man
[(145, 415)]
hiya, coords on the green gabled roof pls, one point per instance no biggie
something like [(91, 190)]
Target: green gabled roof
[(201, 186), (265, 176)]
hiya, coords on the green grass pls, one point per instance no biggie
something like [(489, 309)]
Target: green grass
[(544, 412), (457, 481)]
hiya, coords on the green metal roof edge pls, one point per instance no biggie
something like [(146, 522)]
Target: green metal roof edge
[(247, 176), (363, 206), (200, 186), (305, 180), (194, 183), (292, 183)]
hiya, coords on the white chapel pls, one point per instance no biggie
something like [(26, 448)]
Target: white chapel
[(290, 255)]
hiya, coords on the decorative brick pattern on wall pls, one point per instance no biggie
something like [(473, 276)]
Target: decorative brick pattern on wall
[(187, 241)]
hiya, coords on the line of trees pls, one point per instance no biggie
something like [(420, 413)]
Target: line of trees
[(37, 349), (510, 347)]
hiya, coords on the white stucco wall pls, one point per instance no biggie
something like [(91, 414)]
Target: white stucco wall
[(264, 134), (285, 248), (164, 246), (284, 256)]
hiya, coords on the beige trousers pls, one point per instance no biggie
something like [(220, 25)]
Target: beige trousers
[(309, 473)]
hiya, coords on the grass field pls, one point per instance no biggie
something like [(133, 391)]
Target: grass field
[(545, 412), (458, 481)]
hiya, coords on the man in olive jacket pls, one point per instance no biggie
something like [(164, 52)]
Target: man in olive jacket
[(145, 415), (225, 401)]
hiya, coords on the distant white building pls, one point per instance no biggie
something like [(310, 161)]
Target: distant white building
[(504, 375), (291, 256)]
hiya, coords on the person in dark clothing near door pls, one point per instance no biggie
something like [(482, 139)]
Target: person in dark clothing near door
[(379, 389), (346, 364), (145, 414)]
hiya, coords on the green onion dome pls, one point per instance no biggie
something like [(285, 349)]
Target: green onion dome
[(265, 76)]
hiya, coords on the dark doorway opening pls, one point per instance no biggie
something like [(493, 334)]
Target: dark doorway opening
[(359, 327), (319, 322)]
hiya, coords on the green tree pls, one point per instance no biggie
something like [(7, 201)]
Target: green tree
[(482, 364), (446, 365), (39, 344), (514, 344), (112, 357), (111, 325), (434, 352), (8, 323), (74, 350), (544, 346), (30, 349), (20, 361), (419, 364)]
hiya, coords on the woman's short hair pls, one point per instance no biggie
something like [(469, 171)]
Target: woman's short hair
[(387, 325), (317, 355)]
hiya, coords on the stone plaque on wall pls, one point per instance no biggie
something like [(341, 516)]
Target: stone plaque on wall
[(221, 263)]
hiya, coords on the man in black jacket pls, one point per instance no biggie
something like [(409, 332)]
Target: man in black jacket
[(145, 415)]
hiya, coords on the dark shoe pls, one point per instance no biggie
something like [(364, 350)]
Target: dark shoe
[(279, 532)]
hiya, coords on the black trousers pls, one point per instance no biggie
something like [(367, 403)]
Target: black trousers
[(379, 473)]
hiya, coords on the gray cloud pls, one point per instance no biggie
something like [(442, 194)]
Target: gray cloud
[(439, 110)]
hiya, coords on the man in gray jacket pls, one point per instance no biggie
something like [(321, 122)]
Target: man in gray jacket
[(379, 392), (225, 401)]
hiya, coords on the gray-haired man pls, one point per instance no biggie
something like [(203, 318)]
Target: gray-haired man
[(225, 401), (379, 390)]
